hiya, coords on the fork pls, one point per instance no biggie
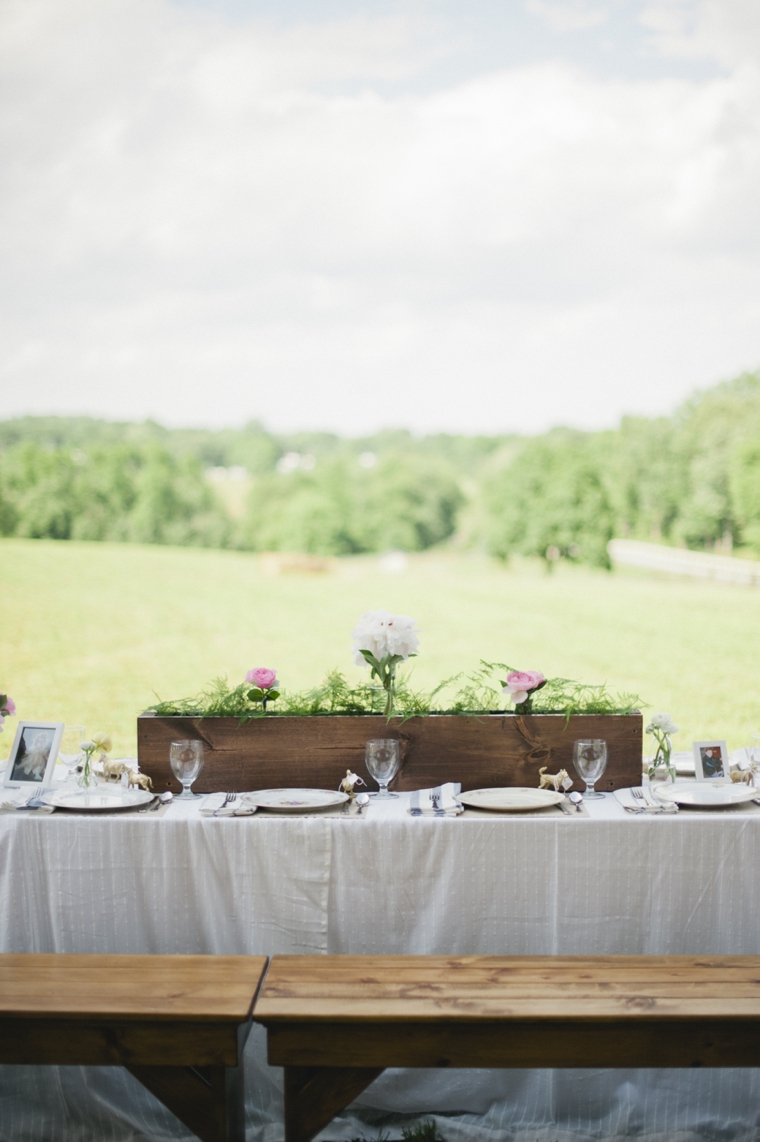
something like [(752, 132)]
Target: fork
[(647, 802), (638, 795), (228, 799)]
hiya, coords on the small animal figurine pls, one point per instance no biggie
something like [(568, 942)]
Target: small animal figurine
[(746, 776), (349, 781), (113, 769), (553, 781), (140, 779)]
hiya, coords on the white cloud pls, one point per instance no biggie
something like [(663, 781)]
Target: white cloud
[(205, 223), (570, 15)]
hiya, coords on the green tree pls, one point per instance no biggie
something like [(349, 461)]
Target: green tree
[(551, 501), (744, 488)]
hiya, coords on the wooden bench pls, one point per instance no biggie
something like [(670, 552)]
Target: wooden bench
[(177, 1023), (335, 1022)]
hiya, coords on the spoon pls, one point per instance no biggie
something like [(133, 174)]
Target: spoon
[(362, 799), (576, 799)]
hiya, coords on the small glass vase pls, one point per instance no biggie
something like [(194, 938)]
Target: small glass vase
[(87, 778), (662, 769)]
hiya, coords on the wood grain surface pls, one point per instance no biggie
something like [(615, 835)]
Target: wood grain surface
[(333, 1022), (381, 989), (480, 752), (91, 987)]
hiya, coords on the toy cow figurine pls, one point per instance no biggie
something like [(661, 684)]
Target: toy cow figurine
[(556, 781)]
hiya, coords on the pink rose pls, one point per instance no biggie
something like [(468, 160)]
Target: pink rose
[(10, 707), (521, 682), (261, 677)]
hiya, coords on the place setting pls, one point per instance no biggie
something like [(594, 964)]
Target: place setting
[(717, 782)]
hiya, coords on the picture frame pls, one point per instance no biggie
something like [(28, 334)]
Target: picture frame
[(711, 761), (34, 755)]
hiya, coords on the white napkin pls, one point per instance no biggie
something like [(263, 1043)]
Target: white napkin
[(438, 802), (15, 799), (214, 806)]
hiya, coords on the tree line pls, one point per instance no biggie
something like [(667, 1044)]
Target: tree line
[(691, 479)]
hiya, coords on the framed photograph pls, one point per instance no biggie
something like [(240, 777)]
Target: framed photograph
[(711, 761), (34, 754)]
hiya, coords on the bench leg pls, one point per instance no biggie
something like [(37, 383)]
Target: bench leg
[(208, 1100), (314, 1095)]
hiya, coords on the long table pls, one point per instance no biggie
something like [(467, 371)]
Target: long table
[(390, 883)]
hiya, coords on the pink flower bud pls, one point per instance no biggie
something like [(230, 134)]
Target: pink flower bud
[(520, 681), (261, 677)]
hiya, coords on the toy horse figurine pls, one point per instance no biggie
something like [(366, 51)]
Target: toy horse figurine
[(140, 779)]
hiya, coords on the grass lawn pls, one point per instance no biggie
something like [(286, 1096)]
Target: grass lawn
[(91, 632)]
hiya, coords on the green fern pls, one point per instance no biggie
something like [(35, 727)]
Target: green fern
[(476, 693)]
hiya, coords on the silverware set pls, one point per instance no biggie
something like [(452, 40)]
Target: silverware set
[(647, 803)]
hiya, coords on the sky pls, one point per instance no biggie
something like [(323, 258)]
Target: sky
[(444, 215)]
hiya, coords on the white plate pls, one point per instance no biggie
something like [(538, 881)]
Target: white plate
[(517, 800), (705, 794), (101, 799), (294, 800)]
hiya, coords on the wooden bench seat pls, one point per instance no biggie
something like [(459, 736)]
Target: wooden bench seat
[(335, 1022), (178, 1023)]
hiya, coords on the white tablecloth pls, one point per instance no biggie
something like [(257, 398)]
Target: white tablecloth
[(390, 883)]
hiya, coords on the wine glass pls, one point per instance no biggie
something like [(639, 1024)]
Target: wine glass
[(186, 759), (70, 749), (382, 758), (590, 762)]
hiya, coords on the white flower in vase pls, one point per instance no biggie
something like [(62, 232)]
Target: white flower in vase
[(382, 641)]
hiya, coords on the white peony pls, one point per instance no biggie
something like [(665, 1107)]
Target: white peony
[(382, 633), (663, 722)]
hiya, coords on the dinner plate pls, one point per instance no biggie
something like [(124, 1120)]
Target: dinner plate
[(101, 799), (510, 800), (294, 800), (705, 794)]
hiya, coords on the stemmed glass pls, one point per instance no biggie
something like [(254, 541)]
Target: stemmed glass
[(186, 759), (382, 758), (590, 762), (70, 749)]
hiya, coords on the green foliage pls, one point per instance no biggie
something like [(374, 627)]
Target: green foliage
[(551, 501), (744, 490), (339, 508), (690, 479), (476, 693), (142, 494), (422, 1132)]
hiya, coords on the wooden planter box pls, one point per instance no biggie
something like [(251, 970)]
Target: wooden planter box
[(489, 750)]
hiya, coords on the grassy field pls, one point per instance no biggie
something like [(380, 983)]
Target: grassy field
[(92, 633)]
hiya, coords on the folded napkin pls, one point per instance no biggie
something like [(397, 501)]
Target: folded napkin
[(438, 802), (15, 799), (214, 806), (650, 804)]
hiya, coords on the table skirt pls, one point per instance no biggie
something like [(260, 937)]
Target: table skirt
[(502, 886)]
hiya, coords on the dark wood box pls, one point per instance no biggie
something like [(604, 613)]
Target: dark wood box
[(488, 750)]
